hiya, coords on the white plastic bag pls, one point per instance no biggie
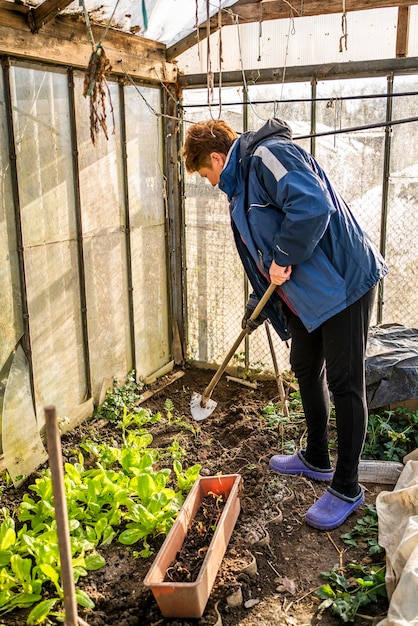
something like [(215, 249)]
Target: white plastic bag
[(397, 512)]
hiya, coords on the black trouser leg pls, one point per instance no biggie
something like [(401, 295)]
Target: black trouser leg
[(341, 343), (308, 362)]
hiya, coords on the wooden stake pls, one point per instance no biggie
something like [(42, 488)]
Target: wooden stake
[(277, 372), (61, 515)]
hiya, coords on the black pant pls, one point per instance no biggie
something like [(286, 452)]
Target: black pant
[(333, 357)]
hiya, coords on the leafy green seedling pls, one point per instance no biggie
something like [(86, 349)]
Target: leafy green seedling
[(365, 532), (345, 596)]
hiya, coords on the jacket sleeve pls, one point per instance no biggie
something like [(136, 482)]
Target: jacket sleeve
[(307, 207)]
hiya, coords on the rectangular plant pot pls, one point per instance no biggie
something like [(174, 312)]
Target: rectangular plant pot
[(189, 599)]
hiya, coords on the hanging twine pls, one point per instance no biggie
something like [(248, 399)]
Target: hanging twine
[(220, 58), (209, 73), (95, 83), (97, 88), (344, 36)]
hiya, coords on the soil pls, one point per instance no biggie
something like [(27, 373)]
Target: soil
[(270, 529), (189, 559)]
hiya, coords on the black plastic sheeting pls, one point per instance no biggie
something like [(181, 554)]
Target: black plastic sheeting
[(391, 365)]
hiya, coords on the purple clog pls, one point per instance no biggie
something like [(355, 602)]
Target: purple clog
[(296, 464), (332, 509)]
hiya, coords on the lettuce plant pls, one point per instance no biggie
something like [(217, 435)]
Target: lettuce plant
[(128, 496)]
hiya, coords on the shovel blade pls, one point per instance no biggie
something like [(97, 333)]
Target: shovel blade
[(200, 412)]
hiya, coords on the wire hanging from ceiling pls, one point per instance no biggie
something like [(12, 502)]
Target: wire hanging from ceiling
[(220, 58), (336, 105), (291, 31), (197, 27), (209, 73), (147, 104), (344, 36), (260, 35), (210, 76)]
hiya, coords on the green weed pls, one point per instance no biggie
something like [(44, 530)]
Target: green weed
[(344, 596), (252, 369), (391, 434), (365, 532), (122, 395), (346, 593)]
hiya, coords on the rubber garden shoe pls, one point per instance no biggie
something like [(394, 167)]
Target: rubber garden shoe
[(297, 464), (332, 509)]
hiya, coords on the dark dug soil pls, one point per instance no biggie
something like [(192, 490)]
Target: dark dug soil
[(289, 554), (189, 559)]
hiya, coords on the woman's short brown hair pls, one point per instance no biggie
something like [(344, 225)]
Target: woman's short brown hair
[(202, 139)]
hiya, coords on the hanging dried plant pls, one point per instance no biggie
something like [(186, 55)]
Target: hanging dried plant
[(96, 88)]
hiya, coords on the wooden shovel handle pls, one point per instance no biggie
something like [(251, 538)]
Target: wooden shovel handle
[(260, 306)]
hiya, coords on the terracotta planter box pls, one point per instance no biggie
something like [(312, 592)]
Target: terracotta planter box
[(189, 599)]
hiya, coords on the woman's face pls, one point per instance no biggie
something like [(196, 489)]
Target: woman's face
[(213, 171)]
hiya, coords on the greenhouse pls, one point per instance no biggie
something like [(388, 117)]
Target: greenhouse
[(125, 358)]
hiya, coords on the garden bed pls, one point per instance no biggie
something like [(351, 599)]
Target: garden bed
[(289, 554)]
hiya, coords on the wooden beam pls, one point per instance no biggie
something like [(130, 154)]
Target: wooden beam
[(45, 12), (402, 33), (64, 41), (175, 227), (245, 12), (12, 6)]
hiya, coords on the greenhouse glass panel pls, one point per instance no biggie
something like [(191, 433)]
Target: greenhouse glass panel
[(11, 322), (104, 240), (11, 326), (147, 228), (44, 152)]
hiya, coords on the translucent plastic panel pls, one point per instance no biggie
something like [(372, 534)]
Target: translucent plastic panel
[(299, 41), (22, 444), (104, 240), (413, 31), (11, 323), (401, 295), (11, 327), (43, 149), (147, 232), (101, 172), (41, 118), (145, 168)]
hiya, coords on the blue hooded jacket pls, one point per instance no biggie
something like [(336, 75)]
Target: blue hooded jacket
[(283, 207)]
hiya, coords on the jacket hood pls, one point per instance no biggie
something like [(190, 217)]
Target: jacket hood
[(239, 156), (272, 128)]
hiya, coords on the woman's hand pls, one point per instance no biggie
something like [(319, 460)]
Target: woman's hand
[(279, 274)]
